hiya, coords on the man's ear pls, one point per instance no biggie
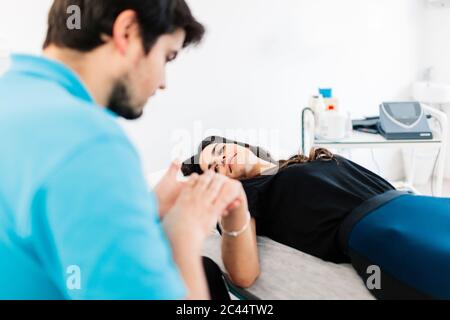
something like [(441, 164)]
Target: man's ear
[(125, 29)]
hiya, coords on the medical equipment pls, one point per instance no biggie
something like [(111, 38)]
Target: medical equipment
[(329, 123), (332, 125), (440, 3), (404, 121), (330, 102), (367, 125), (361, 140)]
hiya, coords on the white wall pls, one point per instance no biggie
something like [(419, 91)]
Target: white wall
[(260, 62), (437, 52), (437, 43), (22, 27), (23, 24)]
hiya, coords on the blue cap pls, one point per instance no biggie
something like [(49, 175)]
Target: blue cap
[(327, 93)]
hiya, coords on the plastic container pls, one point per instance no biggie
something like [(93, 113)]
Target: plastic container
[(331, 103), (332, 125)]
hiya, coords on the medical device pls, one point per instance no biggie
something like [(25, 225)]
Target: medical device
[(330, 122), (404, 121)]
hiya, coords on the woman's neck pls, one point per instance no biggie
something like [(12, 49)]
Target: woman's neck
[(264, 166), (259, 168)]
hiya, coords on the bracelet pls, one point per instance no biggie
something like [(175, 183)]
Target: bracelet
[(236, 234)]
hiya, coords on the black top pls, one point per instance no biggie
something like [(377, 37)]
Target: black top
[(303, 205)]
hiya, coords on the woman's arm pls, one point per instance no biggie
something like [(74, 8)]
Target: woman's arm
[(240, 254), (202, 201)]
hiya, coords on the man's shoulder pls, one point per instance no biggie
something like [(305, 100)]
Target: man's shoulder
[(84, 118), (52, 110), (81, 124), (46, 125)]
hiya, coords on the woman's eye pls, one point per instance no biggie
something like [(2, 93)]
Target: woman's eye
[(222, 150), (216, 170)]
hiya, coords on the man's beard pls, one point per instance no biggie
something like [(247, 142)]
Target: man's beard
[(120, 102)]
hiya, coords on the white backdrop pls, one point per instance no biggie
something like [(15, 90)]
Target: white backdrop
[(437, 52)]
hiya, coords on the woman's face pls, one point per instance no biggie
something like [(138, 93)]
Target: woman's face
[(228, 159)]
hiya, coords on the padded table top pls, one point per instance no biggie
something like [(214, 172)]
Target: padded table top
[(288, 274)]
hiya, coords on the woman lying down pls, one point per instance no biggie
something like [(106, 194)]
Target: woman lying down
[(331, 208)]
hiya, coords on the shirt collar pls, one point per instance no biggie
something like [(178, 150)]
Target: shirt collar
[(42, 67)]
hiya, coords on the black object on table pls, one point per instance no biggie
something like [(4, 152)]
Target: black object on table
[(368, 125)]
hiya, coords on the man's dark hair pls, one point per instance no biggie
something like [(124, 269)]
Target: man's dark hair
[(155, 18)]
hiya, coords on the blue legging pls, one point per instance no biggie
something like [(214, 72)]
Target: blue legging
[(408, 238)]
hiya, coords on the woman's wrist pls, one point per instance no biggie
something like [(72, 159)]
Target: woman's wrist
[(236, 221)]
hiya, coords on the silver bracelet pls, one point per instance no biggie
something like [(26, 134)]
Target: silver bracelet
[(236, 234)]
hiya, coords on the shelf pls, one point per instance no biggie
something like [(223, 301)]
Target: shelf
[(361, 139)]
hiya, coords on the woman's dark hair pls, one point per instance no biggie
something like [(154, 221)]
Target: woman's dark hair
[(314, 154), (192, 165), (155, 18)]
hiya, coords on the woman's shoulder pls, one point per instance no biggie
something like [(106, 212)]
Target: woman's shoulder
[(296, 169), (317, 170), (257, 182), (293, 172)]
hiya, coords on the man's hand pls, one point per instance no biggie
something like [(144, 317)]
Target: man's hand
[(168, 189), (200, 204)]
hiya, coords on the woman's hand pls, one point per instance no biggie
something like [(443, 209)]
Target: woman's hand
[(236, 215)]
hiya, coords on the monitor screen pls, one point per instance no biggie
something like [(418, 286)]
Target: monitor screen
[(404, 110)]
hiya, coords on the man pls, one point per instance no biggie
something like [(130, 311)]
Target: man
[(76, 218)]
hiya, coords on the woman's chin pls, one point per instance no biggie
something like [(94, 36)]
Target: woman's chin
[(249, 170)]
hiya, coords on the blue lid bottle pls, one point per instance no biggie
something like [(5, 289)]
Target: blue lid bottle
[(327, 93)]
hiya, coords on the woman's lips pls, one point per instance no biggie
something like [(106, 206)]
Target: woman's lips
[(230, 161)]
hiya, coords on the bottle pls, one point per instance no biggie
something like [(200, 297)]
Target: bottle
[(317, 105), (331, 103), (332, 123)]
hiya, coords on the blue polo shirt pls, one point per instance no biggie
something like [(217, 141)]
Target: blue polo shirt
[(77, 220)]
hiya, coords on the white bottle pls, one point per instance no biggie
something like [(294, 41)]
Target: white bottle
[(317, 105)]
